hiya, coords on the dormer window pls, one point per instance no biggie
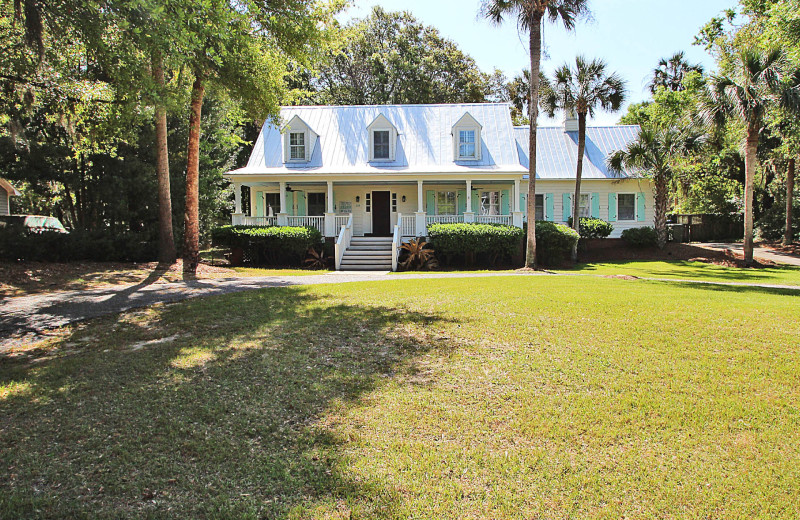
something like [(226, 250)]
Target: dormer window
[(467, 139), (382, 140), (297, 146), (298, 141), (466, 144), (381, 144)]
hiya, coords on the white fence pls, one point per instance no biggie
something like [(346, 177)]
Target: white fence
[(260, 221), (444, 219), (317, 222), (508, 220), (341, 220), (408, 225), (343, 241)]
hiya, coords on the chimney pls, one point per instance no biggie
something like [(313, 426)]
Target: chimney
[(570, 122)]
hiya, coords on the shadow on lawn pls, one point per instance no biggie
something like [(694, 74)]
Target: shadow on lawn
[(234, 416), (698, 271)]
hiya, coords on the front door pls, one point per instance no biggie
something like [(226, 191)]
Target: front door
[(381, 214)]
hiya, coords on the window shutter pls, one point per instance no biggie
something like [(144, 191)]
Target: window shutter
[(334, 202), (476, 201), (430, 202), (595, 205), (301, 204), (567, 202), (640, 207), (549, 207), (462, 201), (612, 207), (522, 205), (259, 203), (504, 200)]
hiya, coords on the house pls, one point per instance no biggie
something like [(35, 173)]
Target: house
[(6, 192), (359, 171)]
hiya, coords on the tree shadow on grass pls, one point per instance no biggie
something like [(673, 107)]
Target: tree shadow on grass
[(700, 271), (733, 288), (223, 407)]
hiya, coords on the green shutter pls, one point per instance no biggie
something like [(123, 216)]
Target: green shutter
[(549, 207), (259, 203), (640, 207), (504, 200), (430, 202), (522, 205), (566, 199), (595, 205), (462, 201), (476, 201), (612, 207), (301, 204)]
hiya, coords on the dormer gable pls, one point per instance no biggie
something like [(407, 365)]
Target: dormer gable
[(382, 140), (299, 140), (467, 139)]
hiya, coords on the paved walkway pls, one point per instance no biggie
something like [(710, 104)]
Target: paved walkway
[(759, 252)]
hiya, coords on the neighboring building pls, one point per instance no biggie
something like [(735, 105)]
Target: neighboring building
[(6, 192)]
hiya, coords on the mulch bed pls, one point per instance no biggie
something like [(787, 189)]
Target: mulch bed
[(616, 250)]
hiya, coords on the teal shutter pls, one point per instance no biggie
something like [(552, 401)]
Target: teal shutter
[(640, 207), (612, 207), (259, 203), (566, 199), (301, 204), (504, 200), (595, 205), (476, 201), (462, 201), (522, 202), (334, 202), (549, 207), (430, 202)]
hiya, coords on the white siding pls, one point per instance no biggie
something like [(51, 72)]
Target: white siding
[(5, 203)]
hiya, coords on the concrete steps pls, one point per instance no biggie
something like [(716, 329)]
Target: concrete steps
[(368, 254)]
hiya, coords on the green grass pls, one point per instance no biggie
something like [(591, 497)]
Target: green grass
[(693, 271), (256, 271), (507, 397)]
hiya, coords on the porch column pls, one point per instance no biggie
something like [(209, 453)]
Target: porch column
[(517, 215), (330, 216), (420, 227), (283, 216), (237, 218), (469, 216)]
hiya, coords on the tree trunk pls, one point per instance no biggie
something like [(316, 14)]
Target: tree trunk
[(166, 240), (661, 198), (750, 164), (576, 204), (788, 235), (191, 216), (535, 43)]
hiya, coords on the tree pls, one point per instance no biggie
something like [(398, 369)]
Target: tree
[(671, 72), (529, 15), (757, 82), (582, 90), (654, 153)]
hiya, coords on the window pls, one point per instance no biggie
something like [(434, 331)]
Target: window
[(584, 208), (272, 204), (316, 204), (445, 203), (466, 144), (297, 146), (380, 144), (368, 202), (539, 207), (394, 202), (626, 206), (490, 203)]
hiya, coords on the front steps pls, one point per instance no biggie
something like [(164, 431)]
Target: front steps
[(368, 254)]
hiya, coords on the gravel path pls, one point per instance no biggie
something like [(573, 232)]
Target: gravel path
[(25, 319), (759, 252)]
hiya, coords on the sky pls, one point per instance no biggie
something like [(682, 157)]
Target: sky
[(630, 35)]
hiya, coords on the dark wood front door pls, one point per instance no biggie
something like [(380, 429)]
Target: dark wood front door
[(381, 214)]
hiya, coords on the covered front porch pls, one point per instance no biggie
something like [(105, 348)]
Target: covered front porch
[(375, 209)]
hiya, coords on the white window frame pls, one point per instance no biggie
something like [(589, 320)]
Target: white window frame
[(499, 202), (619, 217), (466, 123), (324, 202), (298, 126), (461, 142), (539, 196), (293, 147), (373, 156), (585, 211), (278, 196), (455, 202)]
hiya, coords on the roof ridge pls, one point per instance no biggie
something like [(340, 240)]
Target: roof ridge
[(397, 105)]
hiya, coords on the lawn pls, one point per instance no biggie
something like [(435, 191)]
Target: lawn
[(685, 270), (524, 397)]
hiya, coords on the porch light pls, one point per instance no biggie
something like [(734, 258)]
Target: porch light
[(404, 198), (358, 199)]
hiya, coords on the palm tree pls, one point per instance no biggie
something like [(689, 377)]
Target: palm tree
[(529, 15), (581, 90), (653, 154), (670, 72), (757, 82)]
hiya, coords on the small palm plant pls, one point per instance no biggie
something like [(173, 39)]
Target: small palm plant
[(418, 256), (316, 259)]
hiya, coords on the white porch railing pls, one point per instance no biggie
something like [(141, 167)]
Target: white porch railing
[(444, 219), (260, 221), (343, 241), (408, 225), (508, 220), (317, 222), (397, 241), (340, 220)]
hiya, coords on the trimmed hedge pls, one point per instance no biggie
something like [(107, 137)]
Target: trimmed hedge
[(78, 245), (554, 242), (482, 243), (593, 227), (269, 245), (641, 237)]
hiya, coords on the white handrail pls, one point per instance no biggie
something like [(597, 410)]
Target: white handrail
[(343, 241), (396, 242)]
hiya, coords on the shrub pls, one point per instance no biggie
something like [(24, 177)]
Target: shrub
[(416, 255), (269, 245), (79, 245), (554, 242), (470, 241), (772, 224), (641, 237), (593, 227)]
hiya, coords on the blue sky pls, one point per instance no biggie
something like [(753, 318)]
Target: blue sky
[(631, 35)]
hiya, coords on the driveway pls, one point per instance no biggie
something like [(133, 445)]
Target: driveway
[(759, 252)]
